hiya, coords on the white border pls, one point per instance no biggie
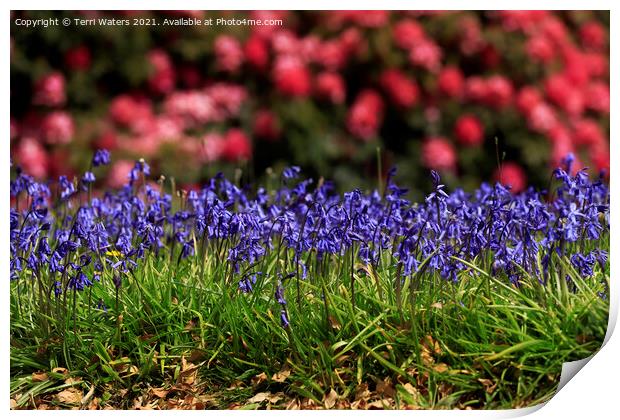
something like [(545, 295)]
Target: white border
[(591, 394)]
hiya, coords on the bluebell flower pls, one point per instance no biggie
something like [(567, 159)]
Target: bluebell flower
[(88, 178), (101, 157)]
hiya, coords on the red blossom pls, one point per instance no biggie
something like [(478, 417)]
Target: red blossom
[(438, 153), (331, 55), (407, 33), (330, 87), (352, 42), (266, 125), (539, 48), (471, 40), (402, 90), (562, 93), (527, 98), (291, 77), (190, 77), (256, 52), (600, 157), (512, 175), (451, 82), (78, 58), (588, 133), (365, 115), (597, 97), (107, 140), (163, 77), (499, 92), (469, 131), (237, 146), (50, 90), (476, 89), (593, 35)]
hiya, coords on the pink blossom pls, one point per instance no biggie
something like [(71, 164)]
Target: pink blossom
[(407, 33), (471, 40), (285, 42), (228, 53), (331, 87), (31, 156), (119, 173), (426, 54), (597, 97), (50, 90), (227, 99), (211, 147), (291, 77), (194, 107), (58, 128), (542, 118), (163, 78), (331, 55), (438, 153), (125, 110)]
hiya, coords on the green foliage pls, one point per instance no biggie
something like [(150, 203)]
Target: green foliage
[(480, 343)]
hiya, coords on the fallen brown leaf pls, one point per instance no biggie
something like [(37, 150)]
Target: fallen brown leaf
[(281, 376), (160, 392), (70, 396), (381, 404), (411, 390), (236, 384), (488, 384), (260, 397), (440, 367), (259, 379), (385, 388), (361, 392), (275, 398), (292, 404), (88, 396), (39, 377), (330, 399)]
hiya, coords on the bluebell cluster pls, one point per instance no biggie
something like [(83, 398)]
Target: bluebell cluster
[(66, 242)]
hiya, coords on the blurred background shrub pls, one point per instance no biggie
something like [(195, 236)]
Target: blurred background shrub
[(322, 90)]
